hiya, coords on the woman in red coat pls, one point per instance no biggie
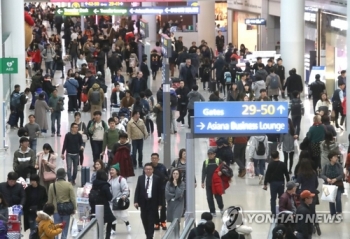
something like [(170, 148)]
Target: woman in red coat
[(121, 152)]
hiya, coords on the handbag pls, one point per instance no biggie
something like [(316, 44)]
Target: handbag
[(83, 97), (47, 172), (63, 208), (84, 136), (329, 193)]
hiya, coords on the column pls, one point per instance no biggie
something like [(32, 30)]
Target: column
[(229, 25), (348, 69), (206, 23), (2, 105), (292, 35), (16, 28), (152, 24)]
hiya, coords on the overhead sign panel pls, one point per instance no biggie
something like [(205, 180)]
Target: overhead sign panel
[(86, 11), (237, 118), (241, 109), (95, 1)]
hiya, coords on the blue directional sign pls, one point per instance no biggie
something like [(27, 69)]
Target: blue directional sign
[(241, 109), (240, 118)]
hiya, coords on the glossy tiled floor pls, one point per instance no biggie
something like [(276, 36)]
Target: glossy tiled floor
[(242, 192)]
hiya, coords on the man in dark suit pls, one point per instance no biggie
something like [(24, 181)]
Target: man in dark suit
[(148, 196)]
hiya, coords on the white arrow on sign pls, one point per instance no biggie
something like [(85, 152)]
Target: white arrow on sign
[(281, 109), (201, 125), (131, 10), (166, 10), (59, 11), (96, 11)]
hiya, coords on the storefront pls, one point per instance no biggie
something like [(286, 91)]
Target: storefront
[(239, 32)]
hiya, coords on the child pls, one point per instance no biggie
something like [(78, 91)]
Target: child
[(118, 125)]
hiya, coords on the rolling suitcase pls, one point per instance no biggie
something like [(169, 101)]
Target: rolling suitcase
[(212, 86), (85, 175), (12, 119)]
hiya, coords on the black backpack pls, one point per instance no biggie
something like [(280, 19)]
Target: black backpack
[(94, 197), (295, 108), (260, 150), (206, 72)]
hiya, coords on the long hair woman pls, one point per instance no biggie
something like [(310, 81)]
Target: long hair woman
[(47, 165), (174, 195), (287, 141)]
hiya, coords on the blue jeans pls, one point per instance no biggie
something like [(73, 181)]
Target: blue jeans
[(137, 146), (55, 116), (59, 219), (259, 166), (54, 69), (276, 187), (336, 207), (72, 159), (48, 66), (32, 221), (32, 144)]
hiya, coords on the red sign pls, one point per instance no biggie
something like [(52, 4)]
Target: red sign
[(72, 1)]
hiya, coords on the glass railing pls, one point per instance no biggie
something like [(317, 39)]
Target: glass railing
[(90, 231), (187, 229), (173, 231)]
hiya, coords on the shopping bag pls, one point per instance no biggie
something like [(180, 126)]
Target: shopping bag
[(75, 230), (83, 97), (250, 168), (329, 193)]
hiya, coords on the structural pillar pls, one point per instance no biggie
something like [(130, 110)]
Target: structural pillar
[(16, 28), (348, 68), (229, 26), (206, 23), (152, 24), (292, 35)]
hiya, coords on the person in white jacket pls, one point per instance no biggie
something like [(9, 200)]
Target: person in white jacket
[(258, 153)]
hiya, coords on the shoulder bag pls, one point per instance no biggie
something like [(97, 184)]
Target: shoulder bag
[(84, 136), (63, 208), (47, 172), (140, 130)]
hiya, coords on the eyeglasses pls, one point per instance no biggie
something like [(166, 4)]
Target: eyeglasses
[(148, 169)]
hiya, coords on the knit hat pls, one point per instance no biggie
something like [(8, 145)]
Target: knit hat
[(116, 167), (61, 173)]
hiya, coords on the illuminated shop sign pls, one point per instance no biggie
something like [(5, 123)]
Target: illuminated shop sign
[(255, 21)]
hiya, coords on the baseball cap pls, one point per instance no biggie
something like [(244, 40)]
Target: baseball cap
[(291, 185), (211, 151), (306, 194)]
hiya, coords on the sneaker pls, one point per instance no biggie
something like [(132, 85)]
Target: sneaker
[(58, 135), (128, 228), (163, 225), (182, 125), (156, 227), (159, 139), (79, 167), (222, 211), (261, 179), (52, 135), (213, 214)]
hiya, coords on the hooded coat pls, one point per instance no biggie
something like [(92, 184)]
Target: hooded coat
[(47, 229), (123, 157), (105, 195), (219, 183), (254, 142)]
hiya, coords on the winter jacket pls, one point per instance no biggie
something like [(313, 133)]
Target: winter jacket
[(262, 74), (232, 234), (137, 129), (72, 86), (48, 54), (326, 149), (208, 169), (123, 157), (257, 86), (316, 133), (119, 187), (183, 100), (316, 88), (64, 193), (14, 195), (199, 231), (233, 95), (285, 203), (225, 154), (194, 96), (288, 142), (105, 196), (96, 87), (254, 142), (304, 225), (109, 138), (325, 172), (294, 83), (23, 161), (219, 183), (272, 92), (46, 228)]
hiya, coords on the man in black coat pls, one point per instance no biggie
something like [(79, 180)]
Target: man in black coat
[(160, 94), (137, 85), (149, 197), (304, 224), (100, 61), (293, 83), (279, 70), (144, 68), (317, 87), (188, 74), (12, 191), (182, 101)]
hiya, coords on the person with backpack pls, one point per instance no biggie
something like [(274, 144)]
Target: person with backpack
[(96, 98), (206, 73), (258, 152), (110, 136), (273, 84), (47, 229), (296, 109), (141, 105), (199, 231), (101, 194), (72, 87), (17, 104), (120, 191), (208, 169)]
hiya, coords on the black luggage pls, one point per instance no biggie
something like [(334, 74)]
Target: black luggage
[(12, 119), (87, 107), (85, 175), (212, 86), (104, 106)]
